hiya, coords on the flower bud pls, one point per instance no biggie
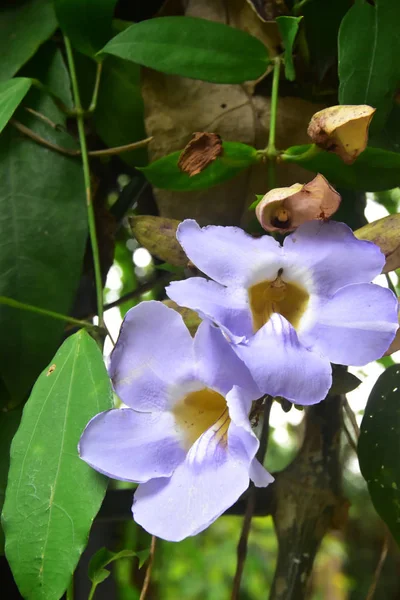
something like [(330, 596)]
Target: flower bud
[(385, 233), (158, 236), (342, 129), (284, 209)]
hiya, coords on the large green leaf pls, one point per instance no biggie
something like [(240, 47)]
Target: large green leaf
[(288, 28), (23, 28), (49, 67), (373, 171), (43, 231), (119, 115), (12, 93), (88, 23), (368, 41), (379, 448), (164, 173), (322, 20), (52, 496), (9, 422), (192, 47)]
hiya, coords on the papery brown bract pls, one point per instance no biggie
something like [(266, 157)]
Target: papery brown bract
[(284, 209), (342, 130)]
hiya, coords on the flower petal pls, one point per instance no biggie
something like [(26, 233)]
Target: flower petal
[(228, 307), (355, 326), (219, 366), (228, 254), (132, 446), (210, 480), (259, 475), (154, 349), (282, 366), (332, 256)]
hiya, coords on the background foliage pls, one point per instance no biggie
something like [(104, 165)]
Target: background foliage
[(133, 82)]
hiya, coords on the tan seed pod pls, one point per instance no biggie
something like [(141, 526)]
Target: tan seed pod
[(342, 129)]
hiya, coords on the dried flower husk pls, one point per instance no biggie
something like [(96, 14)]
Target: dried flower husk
[(284, 209), (342, 129)]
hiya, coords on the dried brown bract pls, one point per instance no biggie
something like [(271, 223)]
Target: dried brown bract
[(342, 130), (284, 209), (202, 150)]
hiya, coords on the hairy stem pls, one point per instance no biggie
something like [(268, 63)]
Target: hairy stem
[(86, 176)]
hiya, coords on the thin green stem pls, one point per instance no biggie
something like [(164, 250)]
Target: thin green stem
[(86, 176), (93, 102), (271, 150), (92, 590), (46, 313)]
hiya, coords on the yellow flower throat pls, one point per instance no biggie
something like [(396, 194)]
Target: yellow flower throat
[(277, 296), (199, 411)]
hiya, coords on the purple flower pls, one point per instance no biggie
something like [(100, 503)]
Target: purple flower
[(186, 436), (291, 310)]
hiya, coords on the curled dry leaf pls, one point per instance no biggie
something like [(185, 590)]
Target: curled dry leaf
[(284, 209), (190, 318), (385, 233), (201, 150), (342, 130), (158, 236)]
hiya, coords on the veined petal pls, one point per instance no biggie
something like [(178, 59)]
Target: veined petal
[(228, 307), (210, 480), (327, 256), (355, 326), (228, 254), (219, 366), (132, 446), (154, 349), (282, 366)]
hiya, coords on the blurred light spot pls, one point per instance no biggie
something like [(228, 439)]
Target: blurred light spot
[(114, 276), (142, 258), (373, 209), (132, 244), (123, 180)]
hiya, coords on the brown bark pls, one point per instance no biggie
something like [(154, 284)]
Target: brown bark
[(307, 500)]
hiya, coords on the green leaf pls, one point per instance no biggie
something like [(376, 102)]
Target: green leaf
[(119, 115), (23, 28), (87, 23), (164, 173), (43, 233), (9, 422), (192, 47), (104, 557), (49, 68), (53, 496), (343, 382), (12, 93), (321, 23), (373, 171), (379, 448), (288, 28), (367, 44)]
